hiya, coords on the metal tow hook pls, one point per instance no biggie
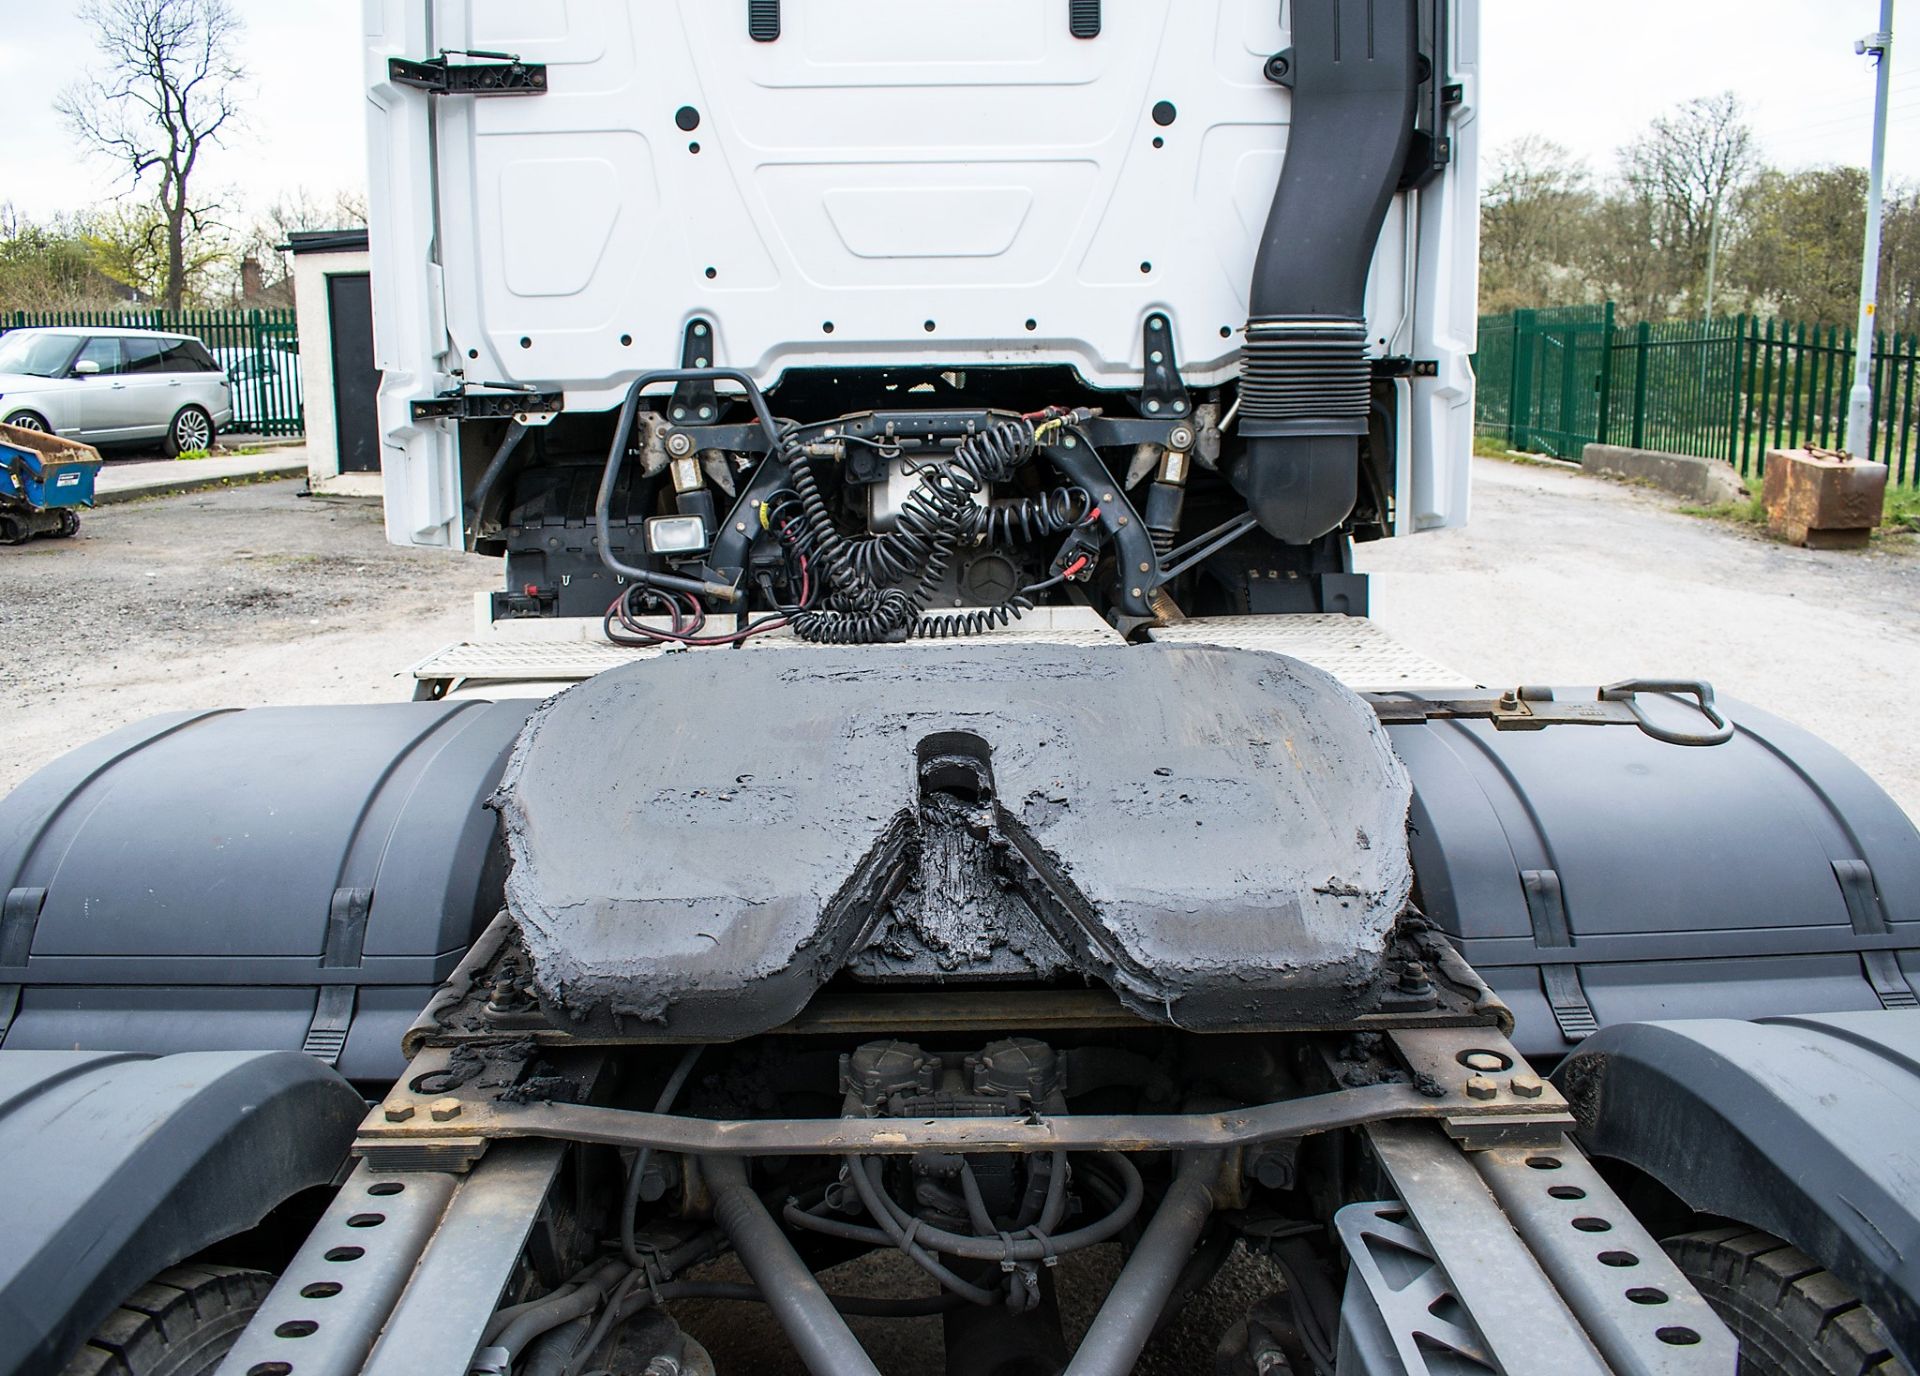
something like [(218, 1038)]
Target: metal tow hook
[(1626, 692)]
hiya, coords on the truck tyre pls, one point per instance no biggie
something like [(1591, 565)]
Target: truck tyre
[(191, 432), (1790, 1316), (179, 1324)]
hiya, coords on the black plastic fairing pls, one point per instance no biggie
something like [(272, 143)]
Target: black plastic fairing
[(1802, 1127), (120, 1166), (279, 878), (1594, 875)]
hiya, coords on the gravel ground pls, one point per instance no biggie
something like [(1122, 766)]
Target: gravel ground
[(232, 597), (1564, 579)]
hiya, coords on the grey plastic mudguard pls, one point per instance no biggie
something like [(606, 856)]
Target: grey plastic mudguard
[(276, 878), (1805, 1127), (118, 1166)]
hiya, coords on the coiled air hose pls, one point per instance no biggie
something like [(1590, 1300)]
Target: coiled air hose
[(896, 555), (936, 516)]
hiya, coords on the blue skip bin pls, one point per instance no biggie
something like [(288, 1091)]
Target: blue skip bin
[(44, 481)]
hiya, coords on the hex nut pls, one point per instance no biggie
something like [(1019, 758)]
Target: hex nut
[(1480, 1087), (1180, 437), (1528, 1086), (398, 1110), (679, 445), (1484, 1060), (444, 1109)]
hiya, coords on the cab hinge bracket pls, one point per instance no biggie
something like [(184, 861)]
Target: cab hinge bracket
[(503, 75), (694, 401), (521, 404)]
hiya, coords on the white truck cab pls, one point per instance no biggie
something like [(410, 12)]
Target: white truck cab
[(560, 194)]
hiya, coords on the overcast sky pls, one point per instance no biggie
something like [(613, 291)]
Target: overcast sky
[(1589, 73)]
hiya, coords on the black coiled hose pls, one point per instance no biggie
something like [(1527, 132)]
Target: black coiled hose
[(1032, 518), (897, 554), (936, 516), (952, 625)]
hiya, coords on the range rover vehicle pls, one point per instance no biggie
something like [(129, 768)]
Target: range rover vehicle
[(112, 386)]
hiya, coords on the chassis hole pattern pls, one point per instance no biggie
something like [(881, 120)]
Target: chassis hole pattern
[(1634, 1300)]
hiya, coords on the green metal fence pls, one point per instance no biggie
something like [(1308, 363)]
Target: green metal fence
[(260, 351), (1550, 367), (1556, 381)]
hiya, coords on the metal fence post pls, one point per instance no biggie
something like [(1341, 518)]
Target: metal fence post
[(1642, 341), (1877, 397), (1734, 394), (1905, 365), (1745, 440), (1603, 424), (1521, 411), (1569, 390)]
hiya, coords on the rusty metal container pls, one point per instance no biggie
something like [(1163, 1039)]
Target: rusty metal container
[(1823, 499)]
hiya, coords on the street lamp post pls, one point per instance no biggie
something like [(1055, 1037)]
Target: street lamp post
[(1860, 401)]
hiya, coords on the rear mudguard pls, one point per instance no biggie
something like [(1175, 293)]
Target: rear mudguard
[(118, 1166), (1806, 1127)]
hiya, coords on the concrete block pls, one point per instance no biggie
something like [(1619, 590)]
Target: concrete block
[(1704, 482), (1823, 499)]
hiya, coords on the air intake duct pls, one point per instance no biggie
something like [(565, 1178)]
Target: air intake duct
[(1354, 69)]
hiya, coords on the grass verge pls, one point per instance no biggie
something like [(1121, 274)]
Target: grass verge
[(1751, 512), (1494, 447), (1900, 516)]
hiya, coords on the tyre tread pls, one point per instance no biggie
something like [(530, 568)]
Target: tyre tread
[(1792, 1316), (178, 1324)]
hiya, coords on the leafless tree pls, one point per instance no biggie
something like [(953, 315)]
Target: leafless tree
[(290, 213), (1685, 172), (168, 86), (1534, 216)]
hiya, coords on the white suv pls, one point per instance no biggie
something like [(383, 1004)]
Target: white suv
[(108, 386)]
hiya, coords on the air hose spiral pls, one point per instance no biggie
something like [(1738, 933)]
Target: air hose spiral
[(936, 516)]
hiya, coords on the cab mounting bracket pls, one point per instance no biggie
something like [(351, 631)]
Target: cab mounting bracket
[(504, 74)]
